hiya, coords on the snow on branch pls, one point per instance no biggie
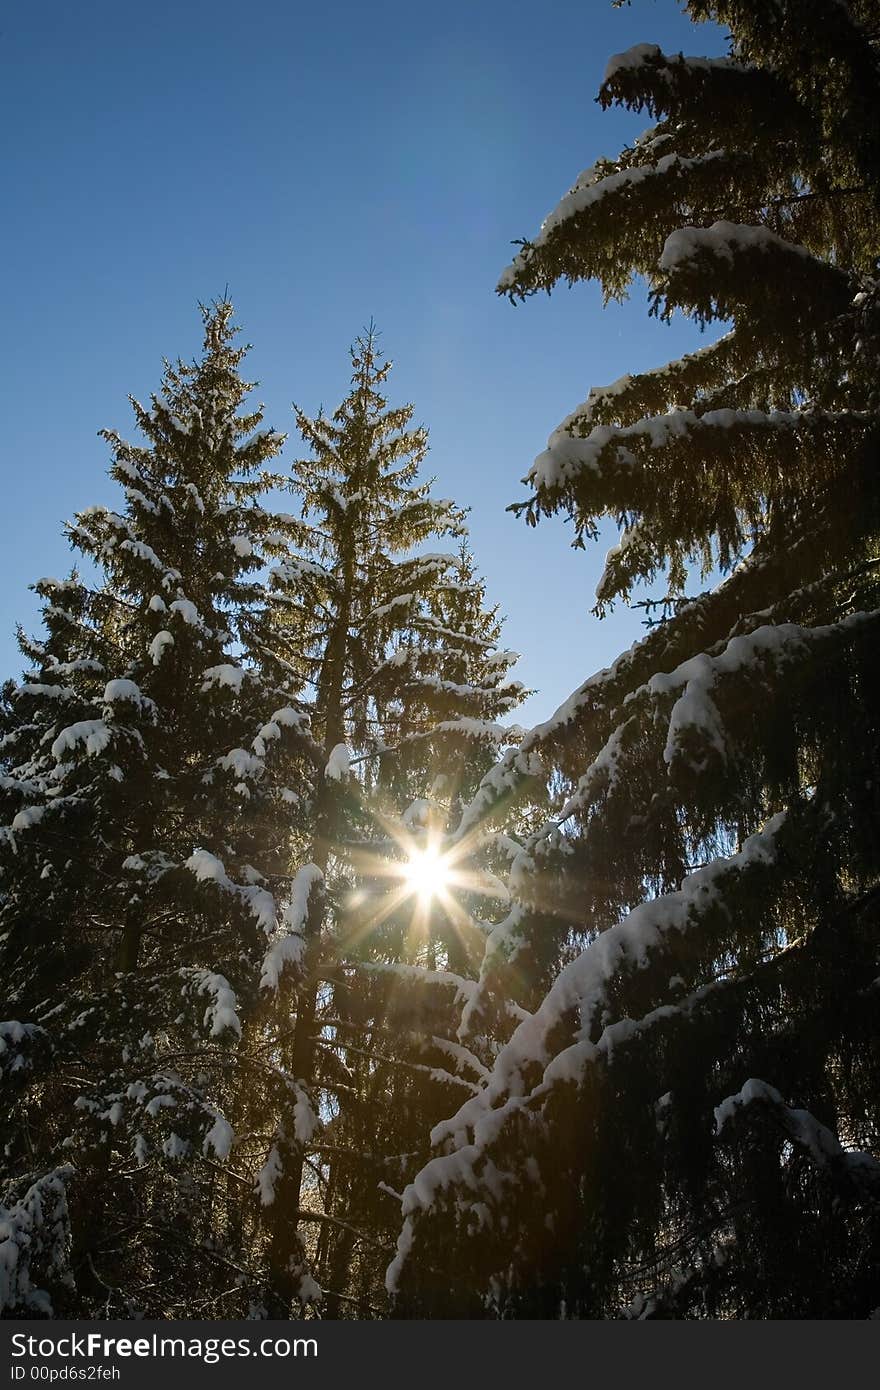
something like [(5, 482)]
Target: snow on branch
[(338, 764), (39, 690), (288, 946), (35, 1235), (650, 392), (567, 457), (642, 54), (268, 1176), (207, 868), (219, 1137), (749, 274), (227, 675), (127, 692), (804, 1130), (222, 1008), (94, 734), (592, 187), (581, 989), (722, 240), (14, 1057), (294, 570), (285, 718), (421, 975), (695, 709)]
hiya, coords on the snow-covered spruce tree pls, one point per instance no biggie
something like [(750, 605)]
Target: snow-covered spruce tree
[(688, 1123), (144, 856), (412, 954), (400, 652)]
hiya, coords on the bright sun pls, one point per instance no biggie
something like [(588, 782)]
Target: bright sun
[(427, 873), (428, 876)]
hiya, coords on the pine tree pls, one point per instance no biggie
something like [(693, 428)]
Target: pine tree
[(687, 1124), (144, 872), (401, 654)]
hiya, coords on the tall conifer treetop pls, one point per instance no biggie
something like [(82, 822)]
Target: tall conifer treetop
[(218, 780), (144, 861), (392, 639)]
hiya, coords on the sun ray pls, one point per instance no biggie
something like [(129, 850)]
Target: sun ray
[(426, 872), (423, 868)]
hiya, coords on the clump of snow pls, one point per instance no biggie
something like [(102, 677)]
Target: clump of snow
[(285, 718), (94, 733), (266, 436), (188, 612), (338, 764), (225, 674), (220, 1137), (823, 1146), (294, 568), (222, 1010), (694, 708), (135, 495), (141, 551), (308, 1290), (305, 1119), (242, 763), (288, 947), (126, 690), (418, 974), (156, 649), (722, 240), (261, 905), (47, 692), (632, 58), (195, 496), (648, 53), (12, 1035), (416, 814), (268, 1176), (207, 867), (158, 1103), (296, 911), (12, 1031)]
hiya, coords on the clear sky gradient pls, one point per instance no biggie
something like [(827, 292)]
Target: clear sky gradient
[(330, 163)]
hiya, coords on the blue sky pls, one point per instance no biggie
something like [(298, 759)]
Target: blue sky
[(329, 163)]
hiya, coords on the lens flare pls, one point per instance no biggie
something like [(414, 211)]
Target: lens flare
[(426, 884), (426, 873)]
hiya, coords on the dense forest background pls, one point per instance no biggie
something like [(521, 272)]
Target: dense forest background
[(334, 992)]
